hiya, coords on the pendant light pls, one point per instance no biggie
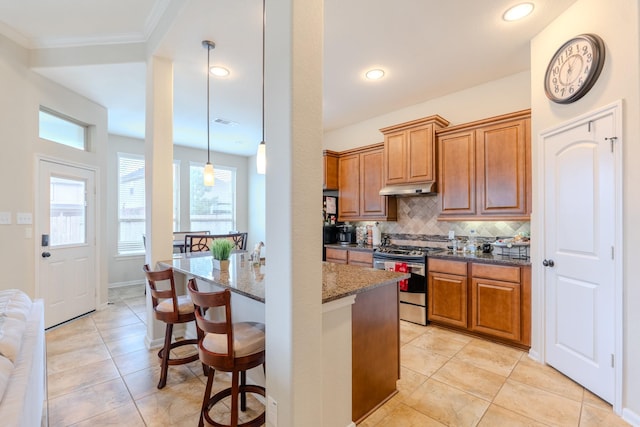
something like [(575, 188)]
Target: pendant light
[(261, 157), (208, 168)]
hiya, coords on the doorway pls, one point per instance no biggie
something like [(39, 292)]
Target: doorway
[(582, 246), (66, 237)]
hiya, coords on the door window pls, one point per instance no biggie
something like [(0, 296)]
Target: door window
[(67, 213)]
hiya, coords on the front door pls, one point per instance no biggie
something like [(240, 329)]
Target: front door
[(580, 237), (66, 234)]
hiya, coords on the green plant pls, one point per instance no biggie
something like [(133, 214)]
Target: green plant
[(221, 249)]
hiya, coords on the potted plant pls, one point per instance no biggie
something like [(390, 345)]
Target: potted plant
[(221, 249)]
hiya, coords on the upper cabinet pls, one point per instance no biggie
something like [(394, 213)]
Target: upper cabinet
[(360, 173), (330, 170), (410, 155), (485, 169)]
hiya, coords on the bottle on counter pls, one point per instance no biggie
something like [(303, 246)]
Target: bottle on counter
[(376, 235)]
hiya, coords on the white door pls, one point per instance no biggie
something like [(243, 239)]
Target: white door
[(580, 236), (66, 233)]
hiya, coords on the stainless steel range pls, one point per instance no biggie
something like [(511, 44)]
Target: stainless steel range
[(413, 291)]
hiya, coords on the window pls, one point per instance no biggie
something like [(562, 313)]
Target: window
[(67, 217), (212, 208), (57, 128), (131, 204)]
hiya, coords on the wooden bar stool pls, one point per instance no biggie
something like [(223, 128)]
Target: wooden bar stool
[(170, 308), (228, 347)]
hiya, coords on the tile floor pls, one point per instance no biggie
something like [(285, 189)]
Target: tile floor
[(101, 374)]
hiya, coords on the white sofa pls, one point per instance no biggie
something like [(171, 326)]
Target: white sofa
[(22, 360)]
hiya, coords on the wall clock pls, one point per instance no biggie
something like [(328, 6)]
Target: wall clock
[(574, 68)]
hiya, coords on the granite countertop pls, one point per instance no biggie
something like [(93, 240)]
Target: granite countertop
[(338, 280), (491, 258)]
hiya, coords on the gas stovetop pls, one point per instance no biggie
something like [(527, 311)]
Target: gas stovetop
[(406, 251)]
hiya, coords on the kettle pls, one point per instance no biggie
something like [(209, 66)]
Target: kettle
[(487, 248)]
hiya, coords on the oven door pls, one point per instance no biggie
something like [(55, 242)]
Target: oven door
[(417, 281)]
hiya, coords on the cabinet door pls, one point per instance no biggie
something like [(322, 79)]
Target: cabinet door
[(421, 152), (372, 204), (338, 256), (395, 158), (447, 296), (349, 186), (330, 169), (457, 173), (495, 308), (502, 164)]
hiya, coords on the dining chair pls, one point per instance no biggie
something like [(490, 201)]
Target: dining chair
[(227, 347), (202, 242)]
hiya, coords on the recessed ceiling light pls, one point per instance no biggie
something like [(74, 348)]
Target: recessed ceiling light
[(374, 74), (518, 11), (219, 71)]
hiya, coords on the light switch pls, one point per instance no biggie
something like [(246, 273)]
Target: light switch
[(5, 218), (24, 218)]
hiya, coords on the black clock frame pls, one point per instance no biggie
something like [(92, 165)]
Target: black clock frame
[(598, 64)]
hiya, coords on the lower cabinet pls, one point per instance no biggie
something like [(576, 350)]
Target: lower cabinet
[(485, 299), (348, 256)]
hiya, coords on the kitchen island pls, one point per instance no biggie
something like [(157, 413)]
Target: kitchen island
[(360, 320)]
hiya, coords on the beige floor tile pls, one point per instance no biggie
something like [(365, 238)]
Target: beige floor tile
[(545, 377), (439, 343), (594, 416), (88, 402), (126, 415), (405, 416), (126, 345), (137, 330), (409, 331), (447, 404), (144, 382), (448, 333), (76, 358), (127, 292), (75, 327), (489, 356), (497, 416), (593, 400), (471, 379), (382, 412), (73, 342), (112, 320), (420, 360), (408, 383), (178, 405), (538, 404), (136, 360), (83, 376)]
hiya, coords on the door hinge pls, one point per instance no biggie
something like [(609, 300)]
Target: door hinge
[(612, 361), (612, 139), (613, 254)]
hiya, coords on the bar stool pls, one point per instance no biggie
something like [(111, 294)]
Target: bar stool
[(228, 347), (170, 308)]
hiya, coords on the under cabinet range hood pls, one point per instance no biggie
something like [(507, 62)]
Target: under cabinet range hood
[(421, 189)]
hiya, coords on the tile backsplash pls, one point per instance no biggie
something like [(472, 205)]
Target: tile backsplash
[(418, 215)]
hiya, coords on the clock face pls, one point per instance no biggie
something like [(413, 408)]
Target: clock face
[(574, 68)]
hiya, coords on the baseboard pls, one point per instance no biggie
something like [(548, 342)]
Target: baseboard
[(123, 284), (631, 417), (352, 424), (535, 356)]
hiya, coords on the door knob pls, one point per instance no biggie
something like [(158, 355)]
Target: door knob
[(548, 263), (46, 254)]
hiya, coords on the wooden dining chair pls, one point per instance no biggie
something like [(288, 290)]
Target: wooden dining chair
[(227, 347), (170, 308)]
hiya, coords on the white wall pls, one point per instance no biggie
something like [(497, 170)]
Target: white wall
[(617, 22), (257, 203), (491, 99), (127, 269), (23, 91)]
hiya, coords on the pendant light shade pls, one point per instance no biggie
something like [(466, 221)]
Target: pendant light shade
[(208, 168), (261, 157)]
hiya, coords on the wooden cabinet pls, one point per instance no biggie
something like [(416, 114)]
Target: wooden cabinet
[(410, 154), (347, 256), (485, 169), (330, 170), (447, 292), (360, 180), (490, 300)]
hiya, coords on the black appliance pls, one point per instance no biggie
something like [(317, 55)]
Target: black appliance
[(346, 234), (413, 293)]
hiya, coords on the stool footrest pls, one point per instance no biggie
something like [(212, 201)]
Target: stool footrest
[(248, 388), (182, 360)]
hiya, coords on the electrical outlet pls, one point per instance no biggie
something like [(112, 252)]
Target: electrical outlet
[(272, 412), (5, 218), (452, 234), (24, 218)]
